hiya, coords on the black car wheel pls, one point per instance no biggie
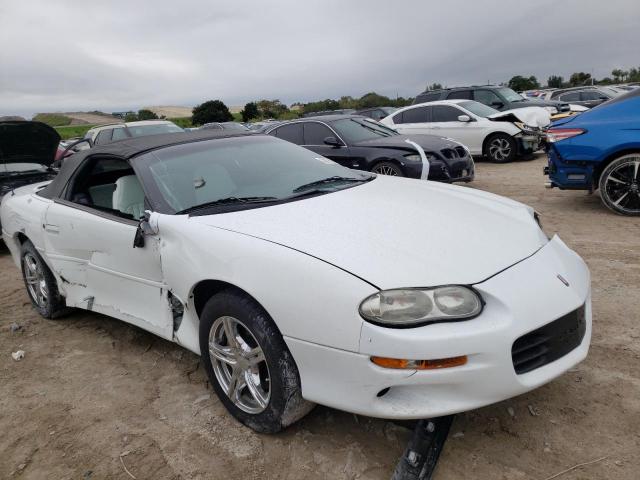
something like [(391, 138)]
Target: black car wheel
[(41, 284), (620, 185), (387, 168), (500, 148), (249, 364)]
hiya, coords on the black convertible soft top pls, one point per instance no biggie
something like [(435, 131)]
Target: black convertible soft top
[(129, 148)]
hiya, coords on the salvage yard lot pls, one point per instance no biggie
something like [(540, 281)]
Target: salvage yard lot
[(91, 388)]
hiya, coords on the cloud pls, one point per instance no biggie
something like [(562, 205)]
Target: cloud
[(69, 55)]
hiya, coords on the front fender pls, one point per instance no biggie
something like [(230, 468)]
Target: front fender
[(308, 299)]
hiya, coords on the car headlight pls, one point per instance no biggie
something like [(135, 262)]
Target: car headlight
[(410, 307), (551, 110), (415, 157)]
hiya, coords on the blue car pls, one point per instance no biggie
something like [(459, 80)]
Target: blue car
[(600, 148)]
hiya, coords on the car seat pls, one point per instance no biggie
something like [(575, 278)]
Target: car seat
[(128, 197)]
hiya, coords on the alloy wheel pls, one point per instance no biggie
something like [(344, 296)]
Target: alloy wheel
[(385, 170), (36, 283), (622, 185), (499, 149), (239, 365)]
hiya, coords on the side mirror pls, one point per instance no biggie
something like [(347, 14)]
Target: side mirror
[(144, 228), (464, 118), (332, 141)]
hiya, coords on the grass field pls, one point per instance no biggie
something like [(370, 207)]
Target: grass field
[(53, 119), (73, 131)]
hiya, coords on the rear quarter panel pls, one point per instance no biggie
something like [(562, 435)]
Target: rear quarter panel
[(22, 212)]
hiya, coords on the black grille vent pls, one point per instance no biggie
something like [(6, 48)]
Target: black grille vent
[(449, 153), (548, 343), (461, 152)]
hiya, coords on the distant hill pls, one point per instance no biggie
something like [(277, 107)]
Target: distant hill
[(11, 118), (170, 111), (76, 118)]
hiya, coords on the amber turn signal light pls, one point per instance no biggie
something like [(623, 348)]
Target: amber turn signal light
[(398, 363)]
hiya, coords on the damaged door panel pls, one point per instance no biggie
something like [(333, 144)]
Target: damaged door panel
[(101, 264)]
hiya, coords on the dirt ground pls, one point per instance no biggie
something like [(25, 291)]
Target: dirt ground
[(91, 389)]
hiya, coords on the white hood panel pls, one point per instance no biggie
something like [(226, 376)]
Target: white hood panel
[(399, 232)]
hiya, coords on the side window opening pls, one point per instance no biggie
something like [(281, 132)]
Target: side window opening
[(109, 185)]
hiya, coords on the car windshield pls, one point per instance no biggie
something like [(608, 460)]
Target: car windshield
[(144, 130), (13, 168), (509, 95), (477, 108), (355, 130), (244, 172)]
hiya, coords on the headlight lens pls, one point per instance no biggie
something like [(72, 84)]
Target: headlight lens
[(551, 110), (415, 157), (411, 307)]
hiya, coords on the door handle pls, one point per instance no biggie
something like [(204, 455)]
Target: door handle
[(52, 228)]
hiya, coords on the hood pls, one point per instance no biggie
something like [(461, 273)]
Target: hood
[(28, 142), (430, 143), (398, 232), (532, 116)]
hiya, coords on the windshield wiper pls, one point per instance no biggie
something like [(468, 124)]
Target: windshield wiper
[(324, 181), (228, 201)]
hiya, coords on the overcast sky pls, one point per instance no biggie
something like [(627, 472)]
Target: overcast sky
[(67, 55)]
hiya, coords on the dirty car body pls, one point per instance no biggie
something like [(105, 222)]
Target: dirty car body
[(382, 304)]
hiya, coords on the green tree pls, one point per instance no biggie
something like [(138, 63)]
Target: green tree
[(321, 106), (131, 117), (434, 86), (250, 111), (348, 102), (210, 111), (145, 114), (372, 99), (271, 108), (520, 83), (578, 79), (555, 81)]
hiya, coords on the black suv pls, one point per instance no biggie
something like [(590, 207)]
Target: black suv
[(500, 98)]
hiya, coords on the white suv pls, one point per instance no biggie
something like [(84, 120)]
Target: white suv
[(118, 131)]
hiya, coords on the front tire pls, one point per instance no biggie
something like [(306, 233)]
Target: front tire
[(387, 168), (620, 185), (41, 285), (500, 148), (249, 364)]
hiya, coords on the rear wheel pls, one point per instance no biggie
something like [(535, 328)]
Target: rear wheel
[(620, 185), (387, 168), (249, 364), (500, 148), (41, 284)]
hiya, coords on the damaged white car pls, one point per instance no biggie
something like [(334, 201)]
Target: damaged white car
[(499, 136), (300, 281)]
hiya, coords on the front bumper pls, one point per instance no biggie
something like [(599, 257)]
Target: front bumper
[(519, 300), (528, 143)]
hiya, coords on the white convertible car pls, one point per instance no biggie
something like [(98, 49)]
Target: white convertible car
[(300, 281)]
